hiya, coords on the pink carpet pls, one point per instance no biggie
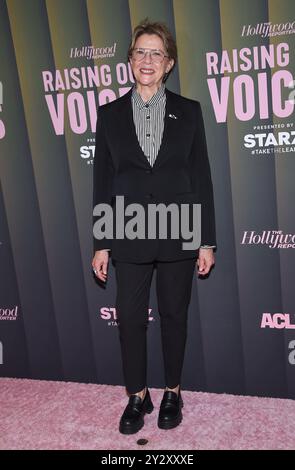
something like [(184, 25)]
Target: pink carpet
[(38, 414)]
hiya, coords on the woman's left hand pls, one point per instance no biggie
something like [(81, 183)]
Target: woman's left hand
[(205, 260)]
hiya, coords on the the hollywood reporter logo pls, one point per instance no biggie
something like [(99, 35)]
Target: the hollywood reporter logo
[(268, 29), (9, 313), (270, 238), (157, 216)]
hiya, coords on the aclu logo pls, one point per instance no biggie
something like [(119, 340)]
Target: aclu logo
[(110, 315), (270, 238), (9, 313), (281, 321), (278, 320)]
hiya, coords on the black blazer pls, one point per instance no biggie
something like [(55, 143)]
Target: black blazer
[(181, 173)]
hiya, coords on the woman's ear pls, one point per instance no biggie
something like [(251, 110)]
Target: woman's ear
[(170, 65)]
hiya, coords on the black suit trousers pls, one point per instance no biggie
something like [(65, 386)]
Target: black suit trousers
[(173, 288)]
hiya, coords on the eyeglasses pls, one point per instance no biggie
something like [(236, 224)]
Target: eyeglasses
[(139, 54)]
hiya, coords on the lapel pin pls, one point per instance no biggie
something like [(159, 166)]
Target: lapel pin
[(172, 116)]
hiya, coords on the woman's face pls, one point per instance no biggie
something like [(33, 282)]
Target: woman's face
[(146, 71)]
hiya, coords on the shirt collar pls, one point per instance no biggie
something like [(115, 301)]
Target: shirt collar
[(153, 101)]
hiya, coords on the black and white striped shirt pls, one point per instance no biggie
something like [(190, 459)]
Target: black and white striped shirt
[(149, 121)]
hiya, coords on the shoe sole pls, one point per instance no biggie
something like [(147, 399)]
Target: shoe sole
[(170, 424), (134, 429)]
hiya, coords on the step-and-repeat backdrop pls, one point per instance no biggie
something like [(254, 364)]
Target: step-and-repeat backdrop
[(60, 60)]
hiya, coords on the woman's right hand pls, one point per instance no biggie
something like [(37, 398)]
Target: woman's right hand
[(100, 264)]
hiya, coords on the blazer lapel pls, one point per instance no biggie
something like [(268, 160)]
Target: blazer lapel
[(170, 128), (130, 130)]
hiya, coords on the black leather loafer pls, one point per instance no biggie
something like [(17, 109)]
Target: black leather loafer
[(170, 414), (132, 420)]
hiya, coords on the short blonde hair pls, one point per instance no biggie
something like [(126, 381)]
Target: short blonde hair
[(160, 29)]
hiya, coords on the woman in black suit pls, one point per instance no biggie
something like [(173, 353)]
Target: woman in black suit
[(151, 148)]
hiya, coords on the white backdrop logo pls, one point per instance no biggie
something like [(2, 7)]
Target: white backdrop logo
[(262, 143)]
